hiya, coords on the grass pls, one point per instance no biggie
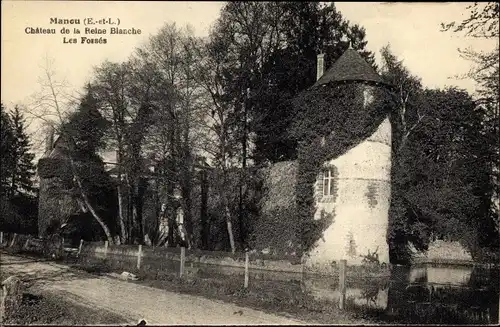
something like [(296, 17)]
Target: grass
[(46, 308), (52, 309)]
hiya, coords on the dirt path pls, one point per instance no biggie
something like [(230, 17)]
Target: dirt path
[(131, 301)]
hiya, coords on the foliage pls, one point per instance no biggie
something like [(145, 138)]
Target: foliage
[(17, 160), (440, 176), (439, 167), (92, 185), (221, 186), (54, 167), (19, 214), (270, 49), (276, 226), (484, 22), (18, 205), (85, 128), (7, 143), (335, 113)]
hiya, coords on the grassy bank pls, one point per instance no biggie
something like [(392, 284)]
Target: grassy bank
[(37, 308), (46, 308)]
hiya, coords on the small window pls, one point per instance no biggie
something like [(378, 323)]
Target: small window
[(328, 182)]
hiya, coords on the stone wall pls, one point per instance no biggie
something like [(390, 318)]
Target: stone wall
[(444, 252)]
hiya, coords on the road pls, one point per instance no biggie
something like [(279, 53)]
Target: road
[(131, 301)]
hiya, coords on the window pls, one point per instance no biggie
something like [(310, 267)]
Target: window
[(328, 182), (326, 187)]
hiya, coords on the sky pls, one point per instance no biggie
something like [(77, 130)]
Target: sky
[(412, 30)]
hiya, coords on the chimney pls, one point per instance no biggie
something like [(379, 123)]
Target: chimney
[(49, 141), (319, 66)]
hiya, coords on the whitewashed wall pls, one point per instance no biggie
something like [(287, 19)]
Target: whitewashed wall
[(360, 204)]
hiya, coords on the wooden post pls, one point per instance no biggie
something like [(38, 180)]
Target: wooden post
[(13, 240), (342, 288), (139, 255), (302, 273), (247, 259), (80, 248), (1, 238), (105, 249), (183, 259), (62, 246)]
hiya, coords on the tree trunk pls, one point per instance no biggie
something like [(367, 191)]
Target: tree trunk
[(121, 219), (141, 188), (91, 209), (203, 211), (120, 214), (229, 227)]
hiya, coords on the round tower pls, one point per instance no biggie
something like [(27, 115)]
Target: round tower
[(355, 187)]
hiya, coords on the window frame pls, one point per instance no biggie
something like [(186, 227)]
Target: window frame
[(328, 182)]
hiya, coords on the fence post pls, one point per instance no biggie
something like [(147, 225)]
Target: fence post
[(247, 259), (302, 277), (105, 249), (13, 240), (80, 248), (62, 246), (183, 259), (139, 255), (342, 288), (1, 238)]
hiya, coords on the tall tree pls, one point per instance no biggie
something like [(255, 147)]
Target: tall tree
[(484, 22), (306, 30), (174, 137), (23, 169), (51, 101), (111, 85), (83, 132), (7, 150), (266, 56), (18, 212), (440, 164)]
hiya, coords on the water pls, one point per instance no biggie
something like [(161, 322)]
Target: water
[(430, 294)]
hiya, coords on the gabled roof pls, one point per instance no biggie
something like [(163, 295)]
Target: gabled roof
[(349, 67)]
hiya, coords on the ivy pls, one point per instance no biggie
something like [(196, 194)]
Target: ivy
[(331, 120), (54, 167)]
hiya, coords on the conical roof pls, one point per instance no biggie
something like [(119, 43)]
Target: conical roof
[(349, 67)]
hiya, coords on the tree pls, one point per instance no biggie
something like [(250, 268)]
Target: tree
[(18, 158), (263, 54), (484, 22), (221, 143), (7, 150), (18, 204), (405, 90), (110, 85), (440, 164), (84, 131), (306, 30), (51, 101), (405, 227)]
